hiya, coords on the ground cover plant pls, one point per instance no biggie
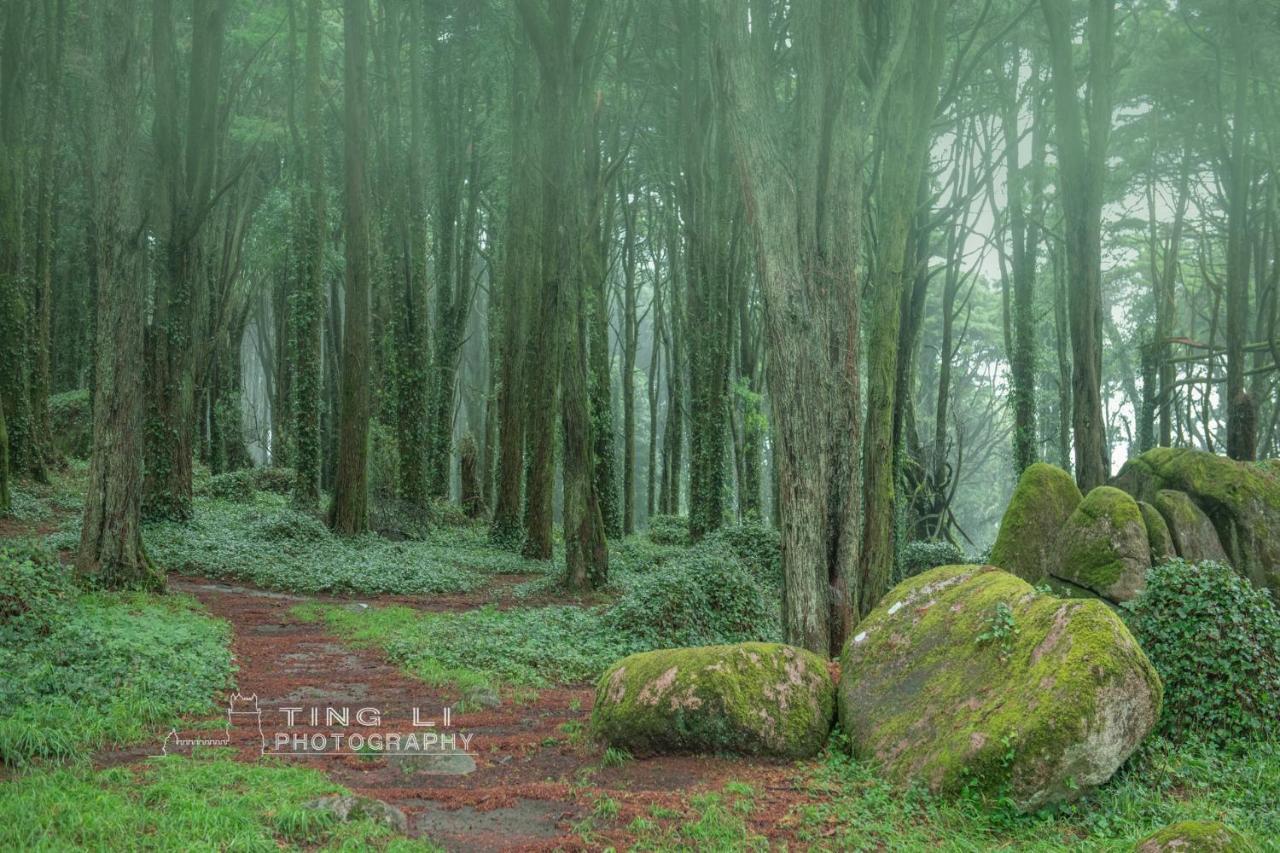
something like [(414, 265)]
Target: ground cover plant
[(87, 669)]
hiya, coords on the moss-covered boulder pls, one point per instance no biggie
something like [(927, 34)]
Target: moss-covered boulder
[(1158, 536), (1242, 499), (965, 676), (1041, 503), (1103, 546), (1193, 534), (755, 698), (1195, 836)]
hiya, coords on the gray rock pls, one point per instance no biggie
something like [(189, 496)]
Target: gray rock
[(348, 807)]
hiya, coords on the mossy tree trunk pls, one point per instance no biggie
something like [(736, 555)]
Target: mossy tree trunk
[(630, 345), (15, 291), (1241, 408), (349, 512), (912, 91), (306, 311), (1081, 170), (111, 550), (709, 212)]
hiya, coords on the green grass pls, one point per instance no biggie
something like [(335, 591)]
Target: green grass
[(265, 543), (530, 647), (851, 809), (716, 822), (178, 803), (106, 668)]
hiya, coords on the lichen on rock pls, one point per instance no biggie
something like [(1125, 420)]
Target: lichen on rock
[(1104, 546), (1041, 503), (1050, 710), (755, 698)]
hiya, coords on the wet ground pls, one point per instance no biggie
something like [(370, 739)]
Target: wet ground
[(531, 777)]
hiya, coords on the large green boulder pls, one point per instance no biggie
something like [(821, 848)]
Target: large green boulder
[(1103, 547), (1195, 836), (1041, 503), (1242, 499), (965, 676), (1158, 536), (1193, 534), (755, 698)]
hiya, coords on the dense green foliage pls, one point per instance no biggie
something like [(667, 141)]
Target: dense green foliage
[(922, 555), (702, 598), (1215, 640), (669, 530)]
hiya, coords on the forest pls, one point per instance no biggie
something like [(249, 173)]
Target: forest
[(640, 424)]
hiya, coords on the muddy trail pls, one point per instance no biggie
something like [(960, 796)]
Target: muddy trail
[(532, 779)]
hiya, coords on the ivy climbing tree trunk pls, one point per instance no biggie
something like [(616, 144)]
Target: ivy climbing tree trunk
[(306, 314), (349, 512)]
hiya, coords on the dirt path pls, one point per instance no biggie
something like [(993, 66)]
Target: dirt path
[(533, 781)]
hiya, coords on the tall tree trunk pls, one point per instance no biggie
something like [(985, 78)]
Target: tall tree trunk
[(306, 314), (520, 265), (912, 96), (111, 550), (1241, 409), (804, 229), (186, 162), (1081, 169), (349, 512)]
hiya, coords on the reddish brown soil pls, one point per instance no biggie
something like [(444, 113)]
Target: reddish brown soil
[(532, 782)]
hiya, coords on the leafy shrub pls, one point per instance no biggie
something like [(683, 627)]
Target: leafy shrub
[(291, 525), (277, 480), (923, 555), (449, 514), (669, 530), (699, 599), (71, 423), (34, 589), (757, 546), (1215, 640), (232, 486)]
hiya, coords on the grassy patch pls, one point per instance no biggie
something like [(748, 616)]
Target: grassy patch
[(714, 822), (852, 809), (83, 670), (179, 803), (532, 647)]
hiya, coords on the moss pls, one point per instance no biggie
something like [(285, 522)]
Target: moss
[(757, 698), (1242, 499), (1195, 836), (1041, 502), (1158, 536), (1054, 711), (1104, 546)]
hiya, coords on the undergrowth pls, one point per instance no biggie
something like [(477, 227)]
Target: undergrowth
[(84, 670)]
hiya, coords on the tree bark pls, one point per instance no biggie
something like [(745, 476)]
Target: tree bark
[(348, 513)]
